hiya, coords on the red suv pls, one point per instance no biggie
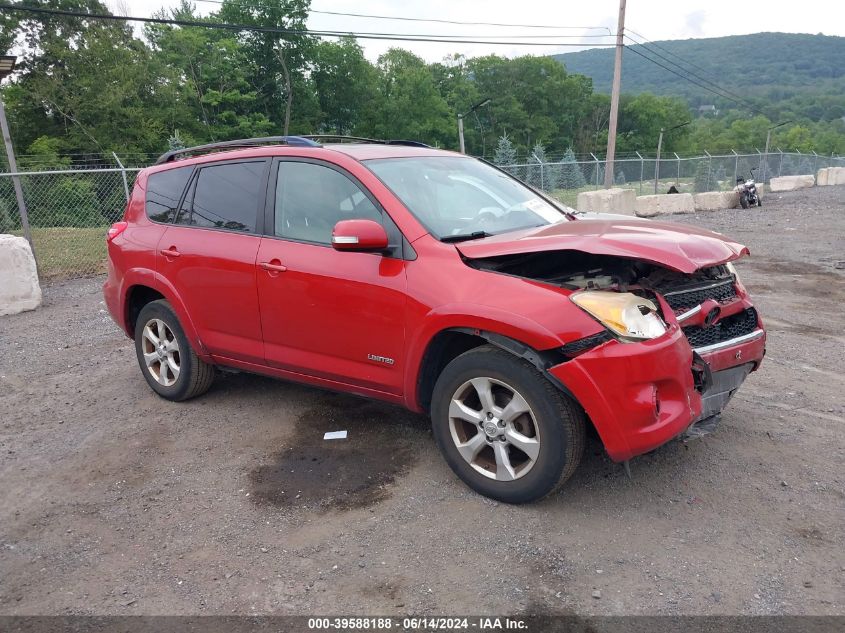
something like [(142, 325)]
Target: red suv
[(436, 281)]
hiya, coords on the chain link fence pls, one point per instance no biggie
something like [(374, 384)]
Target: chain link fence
[(687, 174), (70, 211)]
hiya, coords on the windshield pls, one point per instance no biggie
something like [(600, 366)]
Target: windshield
[(457, 197)]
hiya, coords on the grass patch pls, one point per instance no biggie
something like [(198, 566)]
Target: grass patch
[(63, 252)]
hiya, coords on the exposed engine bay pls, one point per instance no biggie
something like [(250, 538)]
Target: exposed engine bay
[(576, 270)]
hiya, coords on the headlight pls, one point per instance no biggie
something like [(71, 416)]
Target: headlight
[(624, 313), (732, 270)]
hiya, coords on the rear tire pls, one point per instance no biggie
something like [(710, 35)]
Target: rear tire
[(743, 201), (169, 364), (540, 436)]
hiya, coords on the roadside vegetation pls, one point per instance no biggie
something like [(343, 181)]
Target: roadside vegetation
[(86, 88)]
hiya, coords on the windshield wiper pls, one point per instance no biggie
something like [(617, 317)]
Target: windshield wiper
[(475, 235)]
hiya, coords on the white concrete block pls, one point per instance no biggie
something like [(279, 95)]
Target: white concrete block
[(19, 288), (608, 201), (791, 183), (716, 200), (831, 176), (663, 203)]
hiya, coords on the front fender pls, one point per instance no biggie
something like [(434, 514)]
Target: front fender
[(469, 316)]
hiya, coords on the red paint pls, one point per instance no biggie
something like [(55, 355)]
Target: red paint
[(361, 322), (359, 235), (683, 248), (116, 229)]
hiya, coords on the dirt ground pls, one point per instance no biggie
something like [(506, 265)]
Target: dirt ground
[(114, 501)]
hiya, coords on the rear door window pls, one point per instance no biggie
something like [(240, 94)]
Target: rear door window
[(225, 196), (164, 190)]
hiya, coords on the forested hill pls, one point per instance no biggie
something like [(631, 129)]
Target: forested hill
[(804, 74)]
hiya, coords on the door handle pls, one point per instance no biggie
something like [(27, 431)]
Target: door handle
[(170, 252), (274, 266)]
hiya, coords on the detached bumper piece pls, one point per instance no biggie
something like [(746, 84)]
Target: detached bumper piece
[(724, 384)]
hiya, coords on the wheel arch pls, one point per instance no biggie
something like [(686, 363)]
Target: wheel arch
[(141, 289), (451, 342)]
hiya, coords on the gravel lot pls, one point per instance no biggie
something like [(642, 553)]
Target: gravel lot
[(114, 501)]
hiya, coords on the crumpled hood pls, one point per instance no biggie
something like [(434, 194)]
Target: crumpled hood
[(683, 248)]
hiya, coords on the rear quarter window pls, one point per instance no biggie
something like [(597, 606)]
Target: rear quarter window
[(164, 190)]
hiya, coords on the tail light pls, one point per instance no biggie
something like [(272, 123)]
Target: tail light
[(116, 229)]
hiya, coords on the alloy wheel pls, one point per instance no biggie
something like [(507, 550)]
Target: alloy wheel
[(161, 352), (494, 429)]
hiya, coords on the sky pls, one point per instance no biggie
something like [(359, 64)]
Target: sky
[(653, 19)]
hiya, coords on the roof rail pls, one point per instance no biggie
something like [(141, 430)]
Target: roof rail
[(360, 139), (297, 141)]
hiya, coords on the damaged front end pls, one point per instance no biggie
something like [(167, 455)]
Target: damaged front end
[(696, 337)]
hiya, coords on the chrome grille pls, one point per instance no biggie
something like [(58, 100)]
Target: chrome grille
[(728, 328)]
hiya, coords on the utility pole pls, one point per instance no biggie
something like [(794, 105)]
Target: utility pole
[(657, 162), (768, 139), (614, 99), (660, 148), (480, 104), (7, 65)]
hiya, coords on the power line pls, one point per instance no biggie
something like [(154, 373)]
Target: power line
[(683, 59), (735, 96), (692, 81), (398, 37), (437, 20)]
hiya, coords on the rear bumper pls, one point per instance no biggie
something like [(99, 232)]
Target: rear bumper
[(111, 295), (638, 395)]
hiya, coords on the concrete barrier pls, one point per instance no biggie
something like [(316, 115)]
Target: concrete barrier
[(716, 200), (662, 203), (608, 201), (19, 289), (831, 176), (791, 183)]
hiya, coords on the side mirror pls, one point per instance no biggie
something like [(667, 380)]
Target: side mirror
[(359, 235)]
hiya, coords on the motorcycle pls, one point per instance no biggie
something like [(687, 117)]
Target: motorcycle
[(748, 194)]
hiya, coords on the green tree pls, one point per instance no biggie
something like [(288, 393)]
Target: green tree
[(456, 83), (505, 152), (407, 104), (534, 97), (642, 117), (275, 58), (345, 81), (88, 82), (205, 75), (571, 176)]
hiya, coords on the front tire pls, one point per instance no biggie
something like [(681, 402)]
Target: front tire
[(743, 201), (503, 428), (168, 362)]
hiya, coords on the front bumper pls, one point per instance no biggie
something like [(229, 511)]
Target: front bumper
[(641, 395), (638, 395)]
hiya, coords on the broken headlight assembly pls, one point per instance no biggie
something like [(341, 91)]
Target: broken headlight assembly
[(630, 317), (737, 281)]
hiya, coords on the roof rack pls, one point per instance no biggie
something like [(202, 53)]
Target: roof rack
[(297, 141), (360, 139)]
